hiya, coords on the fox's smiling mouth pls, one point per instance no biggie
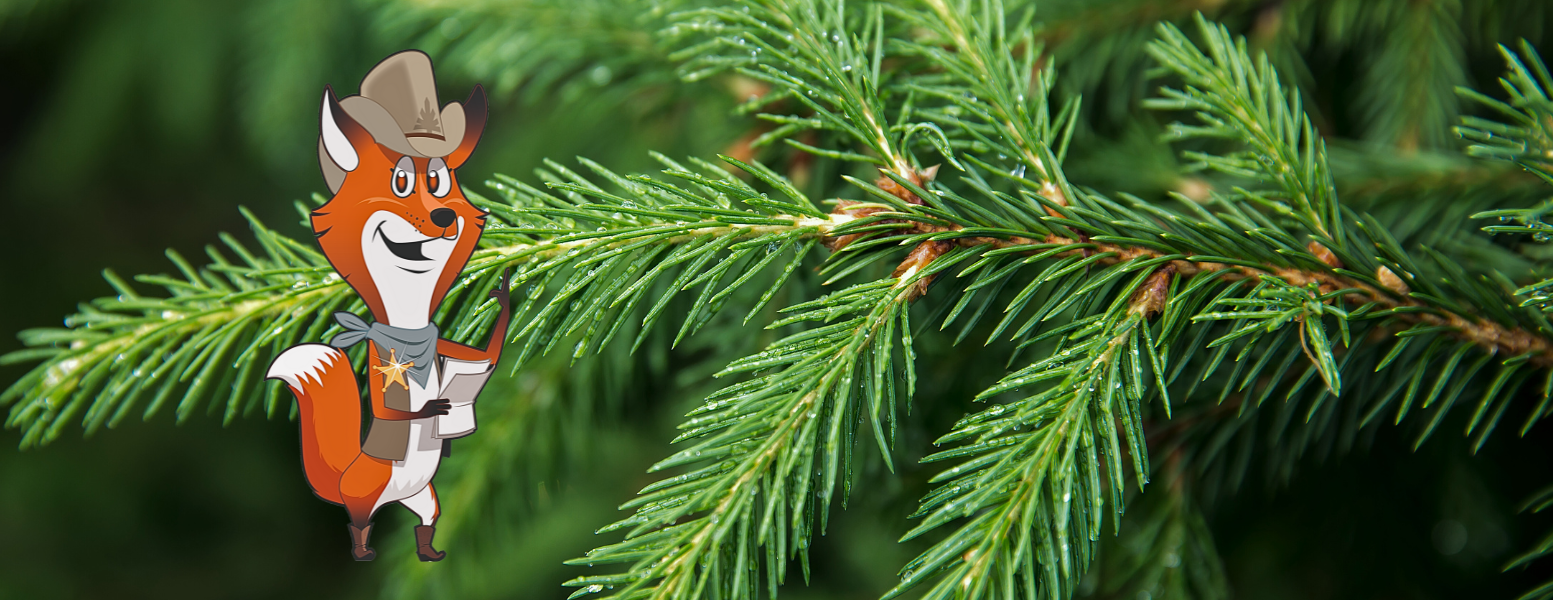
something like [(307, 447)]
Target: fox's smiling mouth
[(405, 250)]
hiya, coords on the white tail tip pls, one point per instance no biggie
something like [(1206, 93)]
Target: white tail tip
[(301, 363)]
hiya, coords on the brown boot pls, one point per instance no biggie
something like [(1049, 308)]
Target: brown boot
[(359, 537), (423, 547)]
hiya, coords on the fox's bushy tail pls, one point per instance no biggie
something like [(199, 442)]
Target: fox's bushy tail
[(329, 403)]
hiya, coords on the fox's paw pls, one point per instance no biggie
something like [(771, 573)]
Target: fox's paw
[(503, 291)]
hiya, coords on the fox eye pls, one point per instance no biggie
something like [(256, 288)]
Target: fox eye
[(437, 179), (404, 177)]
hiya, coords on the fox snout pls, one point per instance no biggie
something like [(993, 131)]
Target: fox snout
[(432, 219)]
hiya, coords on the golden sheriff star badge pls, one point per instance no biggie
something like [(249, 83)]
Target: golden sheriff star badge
[(393, 372)]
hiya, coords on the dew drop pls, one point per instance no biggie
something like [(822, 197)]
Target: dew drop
[(600, 75)]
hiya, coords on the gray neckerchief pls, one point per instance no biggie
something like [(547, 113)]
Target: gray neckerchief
[(418, 346)]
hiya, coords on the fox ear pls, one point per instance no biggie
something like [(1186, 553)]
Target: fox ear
[(474, 125), (341, 134)]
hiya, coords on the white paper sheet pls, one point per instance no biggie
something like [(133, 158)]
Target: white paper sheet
[(462, 381)]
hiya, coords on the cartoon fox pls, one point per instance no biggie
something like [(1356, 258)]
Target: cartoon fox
[(399, 231)]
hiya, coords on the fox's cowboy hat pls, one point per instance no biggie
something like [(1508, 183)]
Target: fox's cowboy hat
[(398, 107)]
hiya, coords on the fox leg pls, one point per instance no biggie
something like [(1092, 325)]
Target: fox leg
[(361, 485), (424, 505)]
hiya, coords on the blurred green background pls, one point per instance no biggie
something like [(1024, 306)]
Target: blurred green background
[(141, 125)]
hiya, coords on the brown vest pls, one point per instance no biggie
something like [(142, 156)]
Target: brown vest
[(389, 440)]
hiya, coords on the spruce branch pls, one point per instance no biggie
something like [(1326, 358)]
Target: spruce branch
[(767, 453), (1527, 140), (602, 251), (1004, 94), (1312, 267), (1527, 137), (1037, 497), (1240, 98), (1237, 258), (818, 52), (1265, 304), (119, 350), (806, 50), (217, 327)]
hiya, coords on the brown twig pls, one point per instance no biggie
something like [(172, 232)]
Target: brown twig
[(1491, 336)]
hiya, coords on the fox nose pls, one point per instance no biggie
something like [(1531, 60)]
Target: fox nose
[(443, 217)]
